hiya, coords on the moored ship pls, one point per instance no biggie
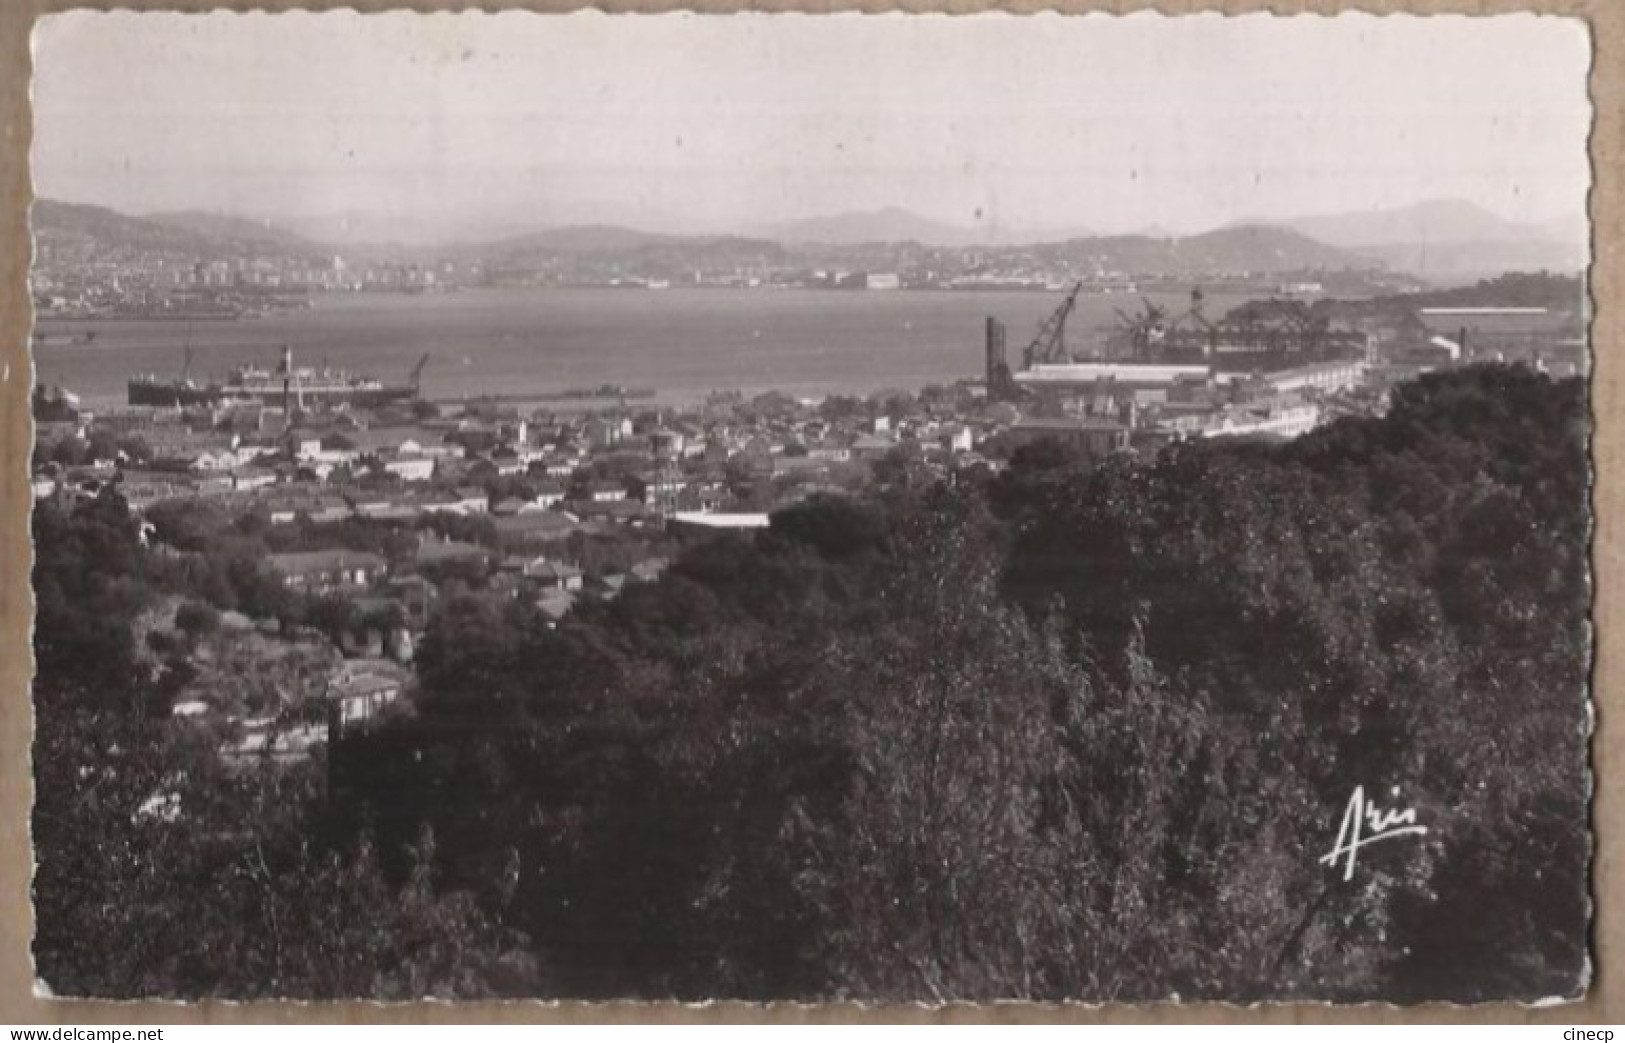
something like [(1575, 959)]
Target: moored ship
[(292, 386)]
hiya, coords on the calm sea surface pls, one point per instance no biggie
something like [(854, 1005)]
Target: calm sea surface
[(681, 343)]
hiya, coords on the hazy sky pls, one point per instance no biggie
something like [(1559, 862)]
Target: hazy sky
[(718, 123)]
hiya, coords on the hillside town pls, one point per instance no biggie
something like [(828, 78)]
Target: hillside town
[(373, 510)]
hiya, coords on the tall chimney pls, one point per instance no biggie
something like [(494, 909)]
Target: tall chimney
[(998, 366)]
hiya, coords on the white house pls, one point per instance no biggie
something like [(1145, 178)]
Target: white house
[(549, 495), (246, 478), (415, 468), (357, 698), (213, 460), (830, 451)]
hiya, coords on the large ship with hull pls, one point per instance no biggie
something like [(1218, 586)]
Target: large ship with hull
[(291, 386)]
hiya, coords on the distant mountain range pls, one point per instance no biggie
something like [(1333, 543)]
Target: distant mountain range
[(610, 243), (1256, 249), (1448, 239), (1441, 240), (234, 229), (74, 221), (391, 230), (888, 225), (597, 240), (204, 236), (894, 224)]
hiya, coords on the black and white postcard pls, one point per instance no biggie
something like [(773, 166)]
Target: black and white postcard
[(898, 509)]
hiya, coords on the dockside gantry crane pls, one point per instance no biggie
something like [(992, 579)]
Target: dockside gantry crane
[(1049, 346)]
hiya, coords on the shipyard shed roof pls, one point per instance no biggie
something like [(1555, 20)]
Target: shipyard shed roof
[(1120, 372)]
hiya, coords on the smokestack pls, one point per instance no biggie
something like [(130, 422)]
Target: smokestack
[(289, 389), (998, 366)]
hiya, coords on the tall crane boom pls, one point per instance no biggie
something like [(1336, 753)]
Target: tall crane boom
[(416, 379), (1049, 346)]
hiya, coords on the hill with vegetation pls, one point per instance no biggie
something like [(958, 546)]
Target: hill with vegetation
[(1081, 730), (191, 235)]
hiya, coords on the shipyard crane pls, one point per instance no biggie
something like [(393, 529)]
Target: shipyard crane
[(1145, 330), (416, 379), (1195, 319), (1195, 313), (1049, 346)]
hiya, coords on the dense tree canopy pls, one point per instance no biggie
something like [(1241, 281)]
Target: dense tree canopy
[(1082, 731), (161, 872)]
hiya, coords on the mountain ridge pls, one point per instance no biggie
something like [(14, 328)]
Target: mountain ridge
[(1448, 238), (1256, 248), (1440, 220), (234, 227)]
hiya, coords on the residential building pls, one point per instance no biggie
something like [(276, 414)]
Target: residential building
[(547, 573), (356, 698), (282, 507), (409, 467), (1093, 436), (535, 529), (872, 447), (319, 571), (1324, 377)]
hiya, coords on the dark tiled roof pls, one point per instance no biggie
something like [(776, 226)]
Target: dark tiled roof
[(304, 562)]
